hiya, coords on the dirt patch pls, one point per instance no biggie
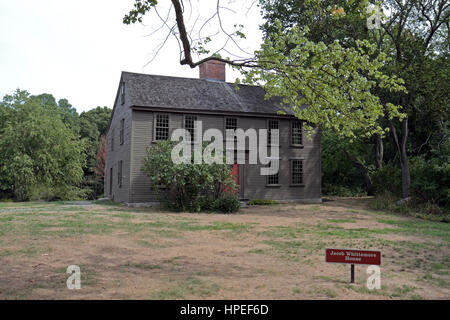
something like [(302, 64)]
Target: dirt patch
[(264, 252)]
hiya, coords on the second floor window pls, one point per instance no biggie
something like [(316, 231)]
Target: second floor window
[(189, 125), (112, 139), (271, 125), (162, 127), (122, 125), (230, 124), (296, 132)]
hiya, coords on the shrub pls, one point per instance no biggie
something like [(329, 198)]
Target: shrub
[(386, 201), (430, 180), (227, 204), (262, 202), (206, 204), (388, 179), (342, 191), (187, 186)]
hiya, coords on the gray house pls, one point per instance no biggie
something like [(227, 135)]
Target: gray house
[(148, 108)]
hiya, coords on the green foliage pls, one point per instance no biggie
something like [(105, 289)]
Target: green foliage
[(335, 82), (339, 176), (141, 7), (431, 180), (262, 202), (328, 20), (342, 191), (186, 186), (39, 151), (386, 201), (388, 179), (416, 51), (93, 125), (227, 204)]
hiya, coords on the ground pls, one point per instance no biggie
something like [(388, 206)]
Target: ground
[(263, 252)]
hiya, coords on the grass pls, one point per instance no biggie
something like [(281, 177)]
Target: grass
[(341, 220), (415, 226), (188, 288), (140, 266), (410, 246), (325, 291), (262, 202)]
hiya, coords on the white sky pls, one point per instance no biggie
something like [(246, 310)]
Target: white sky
[(76, 49)]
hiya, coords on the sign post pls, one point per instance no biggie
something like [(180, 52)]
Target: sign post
[(353, 257)]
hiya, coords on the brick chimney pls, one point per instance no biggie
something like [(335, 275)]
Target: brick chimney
[(212, 70)]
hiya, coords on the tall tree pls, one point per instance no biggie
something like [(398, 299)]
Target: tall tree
[(93, 125), (40, 153), (414, 35)]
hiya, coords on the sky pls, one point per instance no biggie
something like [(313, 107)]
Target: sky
[(76, 49)]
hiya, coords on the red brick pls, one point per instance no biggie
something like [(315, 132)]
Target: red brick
[(212, 70)]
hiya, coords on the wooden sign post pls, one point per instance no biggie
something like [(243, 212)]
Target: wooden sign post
[(353, 257)]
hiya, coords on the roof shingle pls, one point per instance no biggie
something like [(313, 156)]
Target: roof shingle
[(147, 90)]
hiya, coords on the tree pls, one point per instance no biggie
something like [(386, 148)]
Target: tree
[(328, 21), (93, 125), (414, 35), (101, 160), (41, 156), (334, 81), (420, 23)]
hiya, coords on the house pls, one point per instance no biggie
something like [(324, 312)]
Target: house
[(148, 108)]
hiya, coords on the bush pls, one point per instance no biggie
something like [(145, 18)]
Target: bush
[(388, 179), (227, 204), (430, 180), (262, 202), (386, 201), (55, 193), (187, 186), (342, 191)]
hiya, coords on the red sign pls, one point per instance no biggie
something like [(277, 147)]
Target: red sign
[(353, 256)]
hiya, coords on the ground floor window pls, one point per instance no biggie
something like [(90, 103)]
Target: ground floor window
[(119, 174), (296, 172), (272, 179)]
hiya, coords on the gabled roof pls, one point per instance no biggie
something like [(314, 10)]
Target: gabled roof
[(145, 90)]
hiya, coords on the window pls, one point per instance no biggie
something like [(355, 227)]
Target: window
[(271, 125), (122, 93), (230, 124), (296, 132), (122, 125), (162, 127), (112, 139), (272, 179), (189, 125), (110, 181), (119, 174), (297, 172)]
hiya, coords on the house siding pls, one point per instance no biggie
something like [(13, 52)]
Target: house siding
[(121, 152), (253, 185)]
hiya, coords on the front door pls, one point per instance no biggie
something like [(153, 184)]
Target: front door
[(235, 173)]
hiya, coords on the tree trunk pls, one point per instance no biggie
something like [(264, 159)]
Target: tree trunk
[(403, 156), (379, 150), (364, 173)]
